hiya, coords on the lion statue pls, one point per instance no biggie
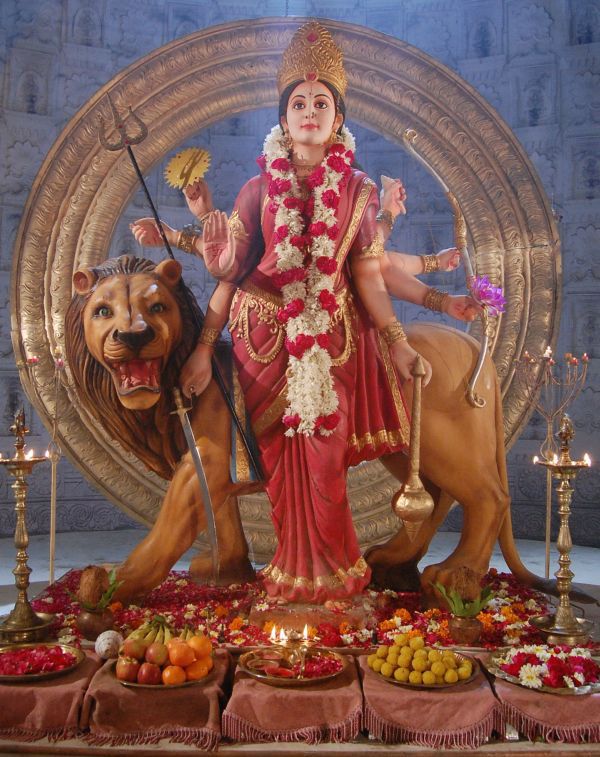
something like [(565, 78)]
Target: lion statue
[(129, 328)]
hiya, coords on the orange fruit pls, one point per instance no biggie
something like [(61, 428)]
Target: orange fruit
[(208, 660), (172, 675), (182, 655), (197, 670), (175, 640), (201, 645)]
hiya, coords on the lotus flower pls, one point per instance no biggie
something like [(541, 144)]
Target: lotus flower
[(489, 295)]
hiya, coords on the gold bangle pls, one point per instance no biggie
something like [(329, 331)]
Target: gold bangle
[(209, 336), (431, 264), (204, 216), (435, 299), (185, 240), (387, 218), (393, 333)]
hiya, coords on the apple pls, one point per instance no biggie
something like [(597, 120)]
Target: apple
[(127, 669), (149, 674), (134, 648), (157, 653)]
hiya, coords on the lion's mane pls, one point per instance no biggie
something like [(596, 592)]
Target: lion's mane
[(154, 435)]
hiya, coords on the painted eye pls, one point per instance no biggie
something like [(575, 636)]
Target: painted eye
[(158, 307), (322, 104), (299, 105), (103, 311)]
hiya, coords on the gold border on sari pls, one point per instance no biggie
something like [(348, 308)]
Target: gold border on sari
[(328, 581)]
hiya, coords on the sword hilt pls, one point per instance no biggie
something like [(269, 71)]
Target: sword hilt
[(181, 409)]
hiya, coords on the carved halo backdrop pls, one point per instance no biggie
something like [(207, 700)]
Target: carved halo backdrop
[(81, 191)]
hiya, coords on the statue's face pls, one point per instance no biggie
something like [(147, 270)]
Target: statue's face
[(310, 115)]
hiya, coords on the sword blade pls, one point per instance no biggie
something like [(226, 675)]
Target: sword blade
[(211, 525)]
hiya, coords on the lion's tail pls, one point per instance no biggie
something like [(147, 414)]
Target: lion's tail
[(506, 538)]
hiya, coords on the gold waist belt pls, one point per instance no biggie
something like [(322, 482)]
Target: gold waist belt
[(266, 305)]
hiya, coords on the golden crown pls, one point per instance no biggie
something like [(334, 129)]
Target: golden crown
[(312, 55)]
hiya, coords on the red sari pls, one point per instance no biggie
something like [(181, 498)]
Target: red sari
[(318, 556)]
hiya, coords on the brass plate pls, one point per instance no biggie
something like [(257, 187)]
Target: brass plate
[(162, 686), (435, 686), (29, 677), (246, 664)]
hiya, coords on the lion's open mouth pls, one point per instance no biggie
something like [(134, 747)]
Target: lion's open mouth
[(137, 374)]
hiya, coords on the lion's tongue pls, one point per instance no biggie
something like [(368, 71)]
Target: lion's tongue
[(138, 373)]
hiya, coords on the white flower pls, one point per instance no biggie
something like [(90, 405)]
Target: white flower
[(529, 675), (579, 677), (346, 638), (569, 682), (531, 604), (310, 391)]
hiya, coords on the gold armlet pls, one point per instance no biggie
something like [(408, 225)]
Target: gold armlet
[(186, 239), (374, 250), (209, 336), (387, 218), (435, 300), (393, 333), (431, 264)]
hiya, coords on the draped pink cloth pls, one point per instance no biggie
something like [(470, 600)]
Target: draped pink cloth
[(318, 556)]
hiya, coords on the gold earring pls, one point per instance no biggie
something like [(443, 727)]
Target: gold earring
[(333, 138), (287, 140)]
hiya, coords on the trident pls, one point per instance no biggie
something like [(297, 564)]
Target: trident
[(125, 140)]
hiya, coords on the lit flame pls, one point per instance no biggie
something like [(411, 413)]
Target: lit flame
[(305, 632), (282, 636), (587, 460), (555, 459), (29, 455), (273, 635), (536, 459), (47, 453)]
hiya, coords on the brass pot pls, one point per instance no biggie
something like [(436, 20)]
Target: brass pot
[(465, 631), (92, 623)]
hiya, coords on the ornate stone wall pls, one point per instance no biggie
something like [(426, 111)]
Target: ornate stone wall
[(535, 62)]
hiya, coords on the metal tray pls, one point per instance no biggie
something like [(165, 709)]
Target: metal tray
[(434, 686), (32, 677)]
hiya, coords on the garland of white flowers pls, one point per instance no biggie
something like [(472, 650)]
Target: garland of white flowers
[(308, 299)]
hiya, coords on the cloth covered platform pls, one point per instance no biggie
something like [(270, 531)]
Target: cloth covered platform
[(462, 716), (330, 711), (48, 709), (116, 714)]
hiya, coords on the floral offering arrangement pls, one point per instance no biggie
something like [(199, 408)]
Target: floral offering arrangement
[(222, 614), (35, 660), (505, 618), (536, 666)]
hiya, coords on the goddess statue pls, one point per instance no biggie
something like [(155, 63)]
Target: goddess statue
[(319, 352)]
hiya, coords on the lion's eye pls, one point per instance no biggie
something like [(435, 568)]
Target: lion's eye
[(158, 307), (103, 311)]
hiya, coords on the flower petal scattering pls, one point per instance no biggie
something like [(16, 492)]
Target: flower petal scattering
[(223, 614)]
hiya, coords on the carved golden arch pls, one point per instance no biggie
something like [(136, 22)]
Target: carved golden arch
[(185, 86)]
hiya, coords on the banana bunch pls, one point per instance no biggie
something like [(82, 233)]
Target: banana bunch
[(187, 632), (153, 630)]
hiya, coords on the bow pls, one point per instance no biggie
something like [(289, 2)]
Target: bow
[(460, 240)]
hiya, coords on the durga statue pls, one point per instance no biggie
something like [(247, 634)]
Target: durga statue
[(305, 283)]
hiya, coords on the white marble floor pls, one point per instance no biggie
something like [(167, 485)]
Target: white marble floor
[(75, 550)]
